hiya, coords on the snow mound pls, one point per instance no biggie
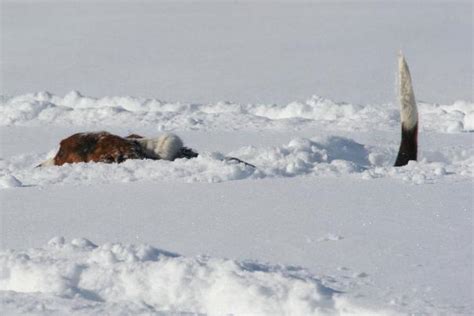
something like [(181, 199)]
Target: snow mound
[(455, 118), (80, 277), (75, 109), (9, 181), (328, 157)]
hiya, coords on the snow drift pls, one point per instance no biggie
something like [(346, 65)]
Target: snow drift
[(320, 156), (317, 156), (75, 109), (144, 279)]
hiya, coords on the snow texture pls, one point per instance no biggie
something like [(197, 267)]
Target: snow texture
[(79, 277), (317, 156), (143, 279), (76, 109)]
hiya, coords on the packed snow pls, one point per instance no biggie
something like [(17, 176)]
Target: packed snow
[(322, 225)]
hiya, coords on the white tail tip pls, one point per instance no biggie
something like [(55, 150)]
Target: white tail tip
[(408, 114), (408, 109)]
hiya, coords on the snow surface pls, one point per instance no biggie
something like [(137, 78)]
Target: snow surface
[(74, 109), (319, 155), (350, 233), (244, 51), (323, 225), (117, 277)]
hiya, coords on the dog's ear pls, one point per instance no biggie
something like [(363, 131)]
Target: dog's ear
[(408, 115)]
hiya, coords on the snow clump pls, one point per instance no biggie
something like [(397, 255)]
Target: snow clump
[(80, 277)]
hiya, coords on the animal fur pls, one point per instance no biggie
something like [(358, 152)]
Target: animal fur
[(408, 115), (109, 148), (164, 147)]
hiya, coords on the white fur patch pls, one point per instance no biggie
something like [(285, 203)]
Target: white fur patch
[(408, 109), (164, 147), (47, 163)]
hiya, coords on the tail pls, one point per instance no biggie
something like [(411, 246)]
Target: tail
[(408, 114)]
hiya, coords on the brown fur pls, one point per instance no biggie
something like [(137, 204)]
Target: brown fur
[(98, 147), (134, 136), (107, 148)]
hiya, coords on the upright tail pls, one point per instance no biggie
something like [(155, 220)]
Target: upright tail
[(408, 114)]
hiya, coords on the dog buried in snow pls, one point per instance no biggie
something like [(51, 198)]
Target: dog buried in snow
[(109, 148)]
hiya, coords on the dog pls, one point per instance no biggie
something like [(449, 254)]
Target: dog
[(108, 148)]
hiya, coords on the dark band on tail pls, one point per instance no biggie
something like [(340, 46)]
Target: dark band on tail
[(408, 146), (408, 115)]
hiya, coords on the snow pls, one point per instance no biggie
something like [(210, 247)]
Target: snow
[(75, 109), (412, 241), (145, 279), (9, 182), (317, 155), (361, 233), (323, 225), (244, 51)]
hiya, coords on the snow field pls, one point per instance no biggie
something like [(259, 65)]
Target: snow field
[(141, 278), (79, 277), (324, 195)]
